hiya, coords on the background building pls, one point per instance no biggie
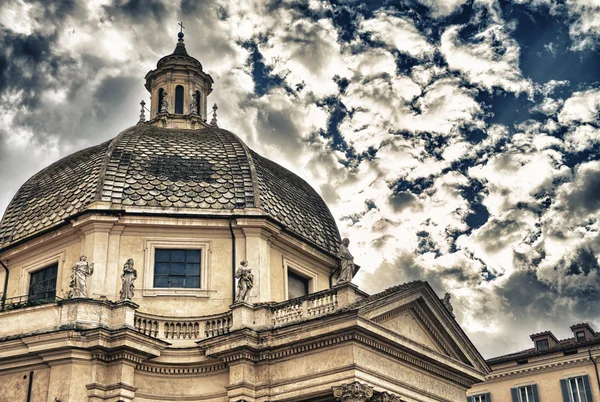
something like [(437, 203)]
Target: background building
[(120, 265), (552, 371)]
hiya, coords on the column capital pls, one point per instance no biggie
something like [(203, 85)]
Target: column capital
[(386, 397), (353, 392)]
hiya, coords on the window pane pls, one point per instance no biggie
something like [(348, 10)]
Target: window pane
[(192, 255), (177, 255), (42, 284), (177, 268), (161, 281), (297, 285), (161, 268), (162, 255), (192, 282), (192, 269), (177, 281)]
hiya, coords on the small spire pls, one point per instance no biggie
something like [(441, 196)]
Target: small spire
[(180, 34), (213, 122), (143, 112)]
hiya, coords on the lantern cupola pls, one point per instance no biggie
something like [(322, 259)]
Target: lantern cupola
[(179, 89)]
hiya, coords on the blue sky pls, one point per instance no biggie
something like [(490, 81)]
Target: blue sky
[(455, 141)]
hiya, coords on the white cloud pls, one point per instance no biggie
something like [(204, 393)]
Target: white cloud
[(581, 107), (481, 62), (398, 33)]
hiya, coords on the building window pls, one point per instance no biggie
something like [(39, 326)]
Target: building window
[(42, 283), (177, 268), (198, 103), (161, 96), (178, 99), (297, 285), (480, 398), (527, 393), (576, 389), (541, 345), (580, 336)]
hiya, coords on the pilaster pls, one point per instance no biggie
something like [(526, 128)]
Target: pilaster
[(258, 234), (96, 229)]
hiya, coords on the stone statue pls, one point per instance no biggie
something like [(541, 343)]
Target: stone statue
[(194, 104), (79, 275), (245, 282), (346, 262), (447, 305), (127, 280), (354, 392), (164, 106)]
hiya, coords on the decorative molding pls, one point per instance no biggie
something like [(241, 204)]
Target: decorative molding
[(353, 392), (307, 347), (527, 370), (108, 357), (165, 370)]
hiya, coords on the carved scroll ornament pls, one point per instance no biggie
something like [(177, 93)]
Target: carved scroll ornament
[(354, 392)]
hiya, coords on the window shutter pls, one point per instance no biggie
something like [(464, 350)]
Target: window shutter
[(536, 395), (488, 397), (469, 399), (515, 395), (588, 389), (565, 390)]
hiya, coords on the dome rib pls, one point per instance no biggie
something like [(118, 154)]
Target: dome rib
[(206, 171)]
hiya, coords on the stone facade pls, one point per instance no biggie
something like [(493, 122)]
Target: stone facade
[(167, 341)]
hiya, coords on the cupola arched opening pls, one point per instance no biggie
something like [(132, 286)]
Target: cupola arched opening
[(198, 102), (161, 95), (179, 99)]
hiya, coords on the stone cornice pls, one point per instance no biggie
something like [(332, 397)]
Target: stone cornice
[(165, 369), (260, 352), (527, 369)]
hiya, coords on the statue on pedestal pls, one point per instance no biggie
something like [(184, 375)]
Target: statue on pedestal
[(79, 274), (164, 106), (245, 282), (194, 104), (447, 304), (346, 262), (127, 280)]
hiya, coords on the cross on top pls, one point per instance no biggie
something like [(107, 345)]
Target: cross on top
[(182, 27)]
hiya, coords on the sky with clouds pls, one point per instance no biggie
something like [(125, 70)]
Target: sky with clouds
[(455, 141)]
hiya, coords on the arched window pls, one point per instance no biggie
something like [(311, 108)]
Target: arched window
[(198, 102), (161, 95), (178, 99)]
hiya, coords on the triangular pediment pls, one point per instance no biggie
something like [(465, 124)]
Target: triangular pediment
[(416, 313), (407, 322)]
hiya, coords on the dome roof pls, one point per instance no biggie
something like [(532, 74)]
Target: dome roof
[(158, 170)]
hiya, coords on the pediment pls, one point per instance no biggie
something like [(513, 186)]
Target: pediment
[(417, 314)]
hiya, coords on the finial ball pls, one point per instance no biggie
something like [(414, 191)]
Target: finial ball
[(180, 35)]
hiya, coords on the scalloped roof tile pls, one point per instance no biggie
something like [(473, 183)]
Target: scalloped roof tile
[(147, 166)]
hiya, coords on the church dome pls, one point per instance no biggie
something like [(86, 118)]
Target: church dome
[(155, 170)]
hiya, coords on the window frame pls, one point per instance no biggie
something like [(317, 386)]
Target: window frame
[(170, 275), (483, 397), (150, 246), (537, 343), (583, 390), (179, 103), (38, 264), (297, 268), (577, 336), (33, 273)]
